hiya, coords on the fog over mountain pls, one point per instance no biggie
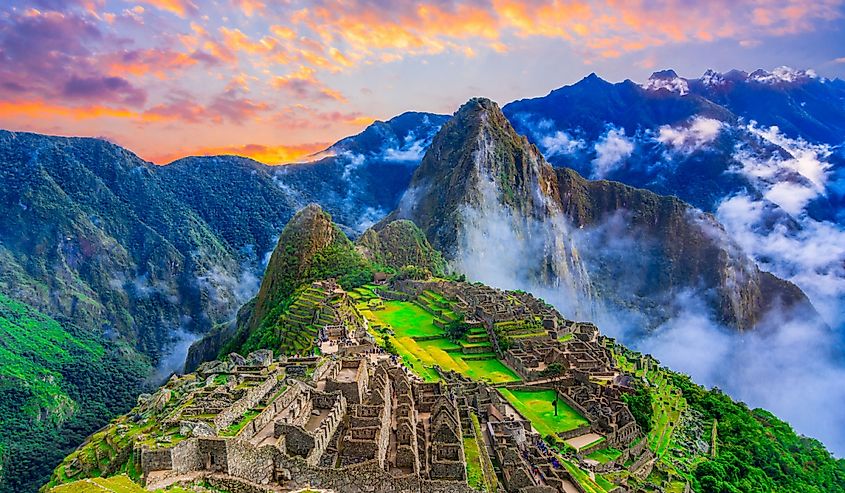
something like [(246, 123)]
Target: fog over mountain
[(699, 220)]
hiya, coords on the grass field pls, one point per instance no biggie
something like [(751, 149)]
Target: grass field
[(475, 476), (434, 352), (605, 455), (536, 405), (407, 321), (116, 484), (597, 485)]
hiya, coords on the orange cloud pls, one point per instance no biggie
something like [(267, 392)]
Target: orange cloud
[(303, 85), (47, 111), (386, 32), (179, 7), (613, 27), (249, 7), (159, 62), (267, 154)]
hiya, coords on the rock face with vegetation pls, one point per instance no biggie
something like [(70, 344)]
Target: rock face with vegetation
[(310, 247), (398, 244), (481, 186), (684, 436)]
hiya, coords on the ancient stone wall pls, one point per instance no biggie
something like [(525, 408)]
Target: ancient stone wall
[(353, 390), (581, 430), (156, 460), (242, 405), (267, 415), (245, 461), (185, 456), (366, 476), (213, 454)]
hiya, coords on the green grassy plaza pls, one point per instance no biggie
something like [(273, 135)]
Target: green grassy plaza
[(408, 321), (536, 406)]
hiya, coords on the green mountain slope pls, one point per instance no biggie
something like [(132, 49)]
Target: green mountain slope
[(58, 383), (310, 247), (696, 437), (398, 244)]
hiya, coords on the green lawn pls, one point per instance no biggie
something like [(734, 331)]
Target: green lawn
[(475, 476), (434, 352), (116, 484), (605, 455), (598, 485), (407, 319), (536, 405)]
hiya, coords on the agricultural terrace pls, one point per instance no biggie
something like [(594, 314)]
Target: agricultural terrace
[(668, 402), (536, 405), (415, 330), (115, 484)]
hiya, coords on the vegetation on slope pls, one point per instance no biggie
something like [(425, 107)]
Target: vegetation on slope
[(310, 247), (401, 243), (58, 383), (756, 452)]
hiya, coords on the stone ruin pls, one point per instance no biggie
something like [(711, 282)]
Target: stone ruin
[(360, 421)]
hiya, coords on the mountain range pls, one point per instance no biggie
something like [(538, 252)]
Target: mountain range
[(152, 257)]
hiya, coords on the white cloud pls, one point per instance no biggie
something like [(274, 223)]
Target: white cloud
[(701, 131), (410, 152), (812, 255), (792, 180), (782, 74), (560, 143), (611, 150)]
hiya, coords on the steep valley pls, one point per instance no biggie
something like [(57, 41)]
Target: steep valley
[(111, 267), (410, 382)]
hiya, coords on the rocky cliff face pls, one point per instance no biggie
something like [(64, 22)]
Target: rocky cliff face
[(486, 197), (648, 248)]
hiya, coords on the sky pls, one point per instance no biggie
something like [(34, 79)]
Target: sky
[(278, 80)]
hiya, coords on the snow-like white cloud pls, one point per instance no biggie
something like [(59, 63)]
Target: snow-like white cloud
[(782, 74), (791, 179), (412, 150), (560, 143), (675, 84), (686, 139), (611, 151)]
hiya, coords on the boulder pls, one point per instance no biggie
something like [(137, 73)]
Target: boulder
[(160, 399), (236, 359), (143, 399), (211, 367), (262, 357), (196, 429)]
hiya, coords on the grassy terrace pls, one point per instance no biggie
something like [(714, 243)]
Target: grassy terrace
[(410, 323), (116, 484), (590, 485), (475, 475), (604, 456), (407, 318), (536, 405)]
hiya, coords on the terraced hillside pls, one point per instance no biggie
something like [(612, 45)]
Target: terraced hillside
[(416, 329)]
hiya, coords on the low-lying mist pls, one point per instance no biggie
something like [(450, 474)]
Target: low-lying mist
[(787, 365)]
